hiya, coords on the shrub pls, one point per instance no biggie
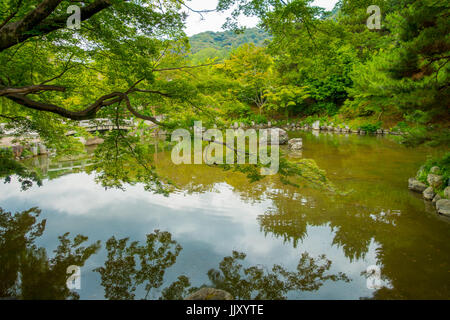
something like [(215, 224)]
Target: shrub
[(259, 118), (322, 108), (371, 127)]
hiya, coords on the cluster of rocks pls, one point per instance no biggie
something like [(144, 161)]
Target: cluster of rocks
[(429, 190), (253, 125), (295, 144), (316, 126), (38, 148)]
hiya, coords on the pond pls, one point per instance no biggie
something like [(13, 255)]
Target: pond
[(379, 222)]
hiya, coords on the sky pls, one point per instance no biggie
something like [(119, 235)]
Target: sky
[(214, 21)]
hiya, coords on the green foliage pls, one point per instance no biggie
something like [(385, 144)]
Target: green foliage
[(285, 98), (370, 127), (418, 117), (322, 108), (259, 119), (409, 73), (250, 67)]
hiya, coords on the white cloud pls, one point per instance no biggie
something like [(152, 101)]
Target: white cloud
[(327, 4), (213, 21)]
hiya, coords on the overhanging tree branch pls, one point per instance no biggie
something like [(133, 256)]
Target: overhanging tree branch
[(87, 113), (16, 32), (18, 95)]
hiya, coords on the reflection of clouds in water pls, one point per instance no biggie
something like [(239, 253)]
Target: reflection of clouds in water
[(208, 225), (78, 194)]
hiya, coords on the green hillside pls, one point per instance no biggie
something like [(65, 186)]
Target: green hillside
[(227, 40)]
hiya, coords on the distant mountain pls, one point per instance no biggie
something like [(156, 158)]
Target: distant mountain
[(227, 40)]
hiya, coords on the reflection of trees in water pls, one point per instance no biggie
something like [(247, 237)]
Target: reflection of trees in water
[(409, 249), (28, 273), (353, 231), (256, 283), (10, 167), (121, 275), (26, 270), (130, 266)]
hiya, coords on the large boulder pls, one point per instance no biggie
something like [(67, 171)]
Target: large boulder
[(435, 181), (94, 141), (282, 136), (428, 194), (443, 207), (210, 294), (295, 144), (415, 185)]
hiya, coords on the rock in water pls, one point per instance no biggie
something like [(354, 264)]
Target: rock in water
[(282, 136), (443, 207), (210, 294), (296, 144), (416, 185), (434, 180), (428, 194), (94, 141), (436, 199)]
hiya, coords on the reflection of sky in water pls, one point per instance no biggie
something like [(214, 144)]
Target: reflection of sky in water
[(208, 226)]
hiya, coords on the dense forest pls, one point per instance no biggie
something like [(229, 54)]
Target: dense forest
[(333, 68)]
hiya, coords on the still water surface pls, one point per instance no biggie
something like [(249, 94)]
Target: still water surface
[(215, 212)]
